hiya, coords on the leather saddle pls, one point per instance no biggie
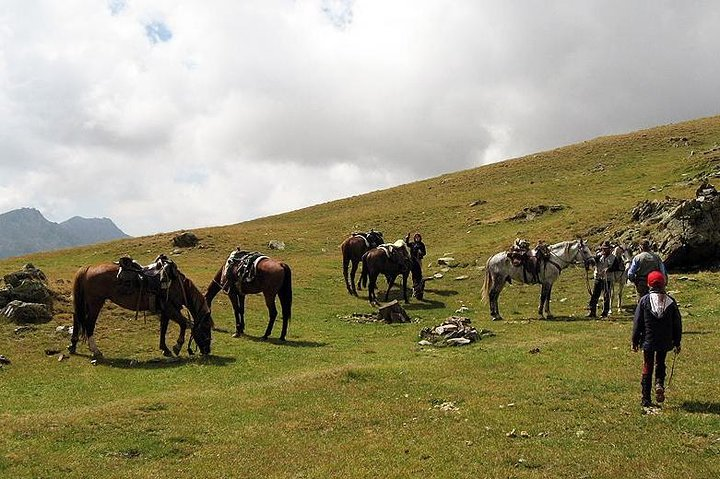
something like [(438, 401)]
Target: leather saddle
[(153, 279)]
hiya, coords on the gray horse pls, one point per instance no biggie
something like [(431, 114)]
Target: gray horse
[(499, 270), (618, 278)]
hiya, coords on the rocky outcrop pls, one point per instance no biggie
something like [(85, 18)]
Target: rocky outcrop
[(531, 212), (686, 232), (185, 240)]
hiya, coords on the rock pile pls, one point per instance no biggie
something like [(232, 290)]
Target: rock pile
[(454, 331), (25, 297)]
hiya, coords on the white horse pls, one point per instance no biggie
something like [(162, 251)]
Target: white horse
[(618, 278), (499, 270)]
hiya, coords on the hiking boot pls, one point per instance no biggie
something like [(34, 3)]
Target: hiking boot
[(659, 392)]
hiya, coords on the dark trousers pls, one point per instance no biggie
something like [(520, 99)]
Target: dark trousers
[(601, 286), (652, 360)]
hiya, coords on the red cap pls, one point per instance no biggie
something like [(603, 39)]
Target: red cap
[(656, 279)]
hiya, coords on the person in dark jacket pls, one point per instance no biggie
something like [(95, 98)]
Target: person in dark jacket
[(657, 329), (417, 253)]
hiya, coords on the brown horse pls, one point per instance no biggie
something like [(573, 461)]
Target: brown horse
[(273, 278), (95, 284), (353, 249), (376, 262)]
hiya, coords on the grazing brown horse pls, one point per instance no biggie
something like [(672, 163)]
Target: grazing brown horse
[(376, 262), (353, 249), (273, 278), (95, 284)]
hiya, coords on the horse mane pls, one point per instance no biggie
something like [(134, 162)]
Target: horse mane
[(197, 305)]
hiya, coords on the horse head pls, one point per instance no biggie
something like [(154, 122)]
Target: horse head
[(584, 254), (202, 324), (375, 238), (202, 332)]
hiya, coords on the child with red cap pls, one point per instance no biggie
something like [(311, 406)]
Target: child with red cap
[(657, 328)]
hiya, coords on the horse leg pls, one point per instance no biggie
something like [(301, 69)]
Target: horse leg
[(353, 270), (372, 284), (494, 296), (92, 314), (238, 303), (164, 321), (404, 286), (346, 264), (272, 310), (543, 294), (181, 337), (548, 314), (391, 281)]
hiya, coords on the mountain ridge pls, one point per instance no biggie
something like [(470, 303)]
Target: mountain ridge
[(26, 230)]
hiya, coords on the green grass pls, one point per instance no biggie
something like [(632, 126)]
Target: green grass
[(342, 399)]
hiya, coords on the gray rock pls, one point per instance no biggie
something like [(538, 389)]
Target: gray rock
[(276, 244), (19, 312), (28, 291)]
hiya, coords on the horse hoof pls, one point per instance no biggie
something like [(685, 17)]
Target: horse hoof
[(264, 338), (167, 353), (72, 348), (237, 334), (497, 318), (176, 349)]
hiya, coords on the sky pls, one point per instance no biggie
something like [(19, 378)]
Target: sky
[(165, 115)]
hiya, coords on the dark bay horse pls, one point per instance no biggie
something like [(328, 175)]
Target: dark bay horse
[(499, 270), (273, 278), (95, 284), (376, 262), (353, 249)]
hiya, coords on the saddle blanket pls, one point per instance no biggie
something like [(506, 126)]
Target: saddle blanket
[(364, 237)]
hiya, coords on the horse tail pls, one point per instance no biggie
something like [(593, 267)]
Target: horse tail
[(364, 272), (213, 288), (487, 283), (285, 293), (79, 307)]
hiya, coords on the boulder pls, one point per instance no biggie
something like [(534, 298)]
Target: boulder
[(28, 291), (392, 312), (19, 312), (29, 271), (454, 331), (185, 239), (276, 244), (531, 212), (686, 232)]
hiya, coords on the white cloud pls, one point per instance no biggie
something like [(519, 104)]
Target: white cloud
[(217, 115)]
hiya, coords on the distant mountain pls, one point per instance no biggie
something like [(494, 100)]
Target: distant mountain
[(26, 230)]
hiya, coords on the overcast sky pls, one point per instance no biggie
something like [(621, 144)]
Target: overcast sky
[(168, 114)]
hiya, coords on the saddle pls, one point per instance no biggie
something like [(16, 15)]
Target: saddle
[(372, 238), (398, 253), (240, 266), (530, 260), (153, 279)]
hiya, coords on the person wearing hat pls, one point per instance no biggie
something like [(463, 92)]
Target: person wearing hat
[(657, 329), (642, 264), (603, 262)]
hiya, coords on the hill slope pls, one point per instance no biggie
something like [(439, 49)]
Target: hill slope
[(26, 230), (345, 399)]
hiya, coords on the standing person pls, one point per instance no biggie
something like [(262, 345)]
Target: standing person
[(603, 262), (657, 328), (417, 247), (642, 264), (417, 253)]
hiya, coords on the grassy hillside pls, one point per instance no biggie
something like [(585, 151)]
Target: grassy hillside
[(342, 399)]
